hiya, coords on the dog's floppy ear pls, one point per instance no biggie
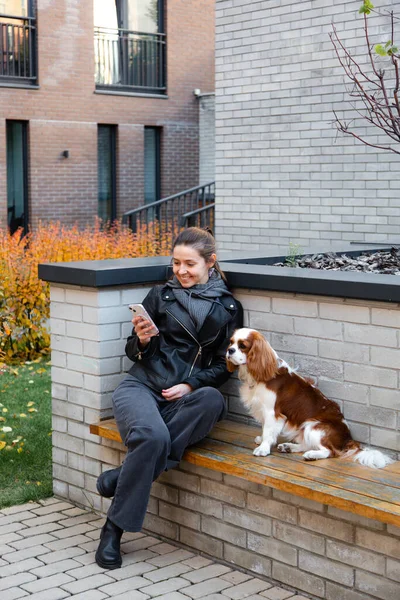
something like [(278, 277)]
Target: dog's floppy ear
[(261, 359), (230, 366)]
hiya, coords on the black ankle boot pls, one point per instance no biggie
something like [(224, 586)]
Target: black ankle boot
[(107, 482), (108, 555)]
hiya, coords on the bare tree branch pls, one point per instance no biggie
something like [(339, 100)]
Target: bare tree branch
[(380, 106)]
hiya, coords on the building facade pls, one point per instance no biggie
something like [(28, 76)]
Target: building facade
[(283, 172), (97, 111)]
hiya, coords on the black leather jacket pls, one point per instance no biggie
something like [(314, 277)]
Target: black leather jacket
[(179, 354)]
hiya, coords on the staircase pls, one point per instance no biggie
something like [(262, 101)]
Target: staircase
[(165, 218)]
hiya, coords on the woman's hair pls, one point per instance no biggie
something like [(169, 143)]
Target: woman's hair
[(201, 240)]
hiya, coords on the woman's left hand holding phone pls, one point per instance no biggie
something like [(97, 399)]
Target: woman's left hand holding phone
[(144, 330)]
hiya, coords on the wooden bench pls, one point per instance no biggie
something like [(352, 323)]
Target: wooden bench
[(341, 483)]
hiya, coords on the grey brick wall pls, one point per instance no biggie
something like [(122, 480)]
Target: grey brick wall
[(283, 173), (206, 138)]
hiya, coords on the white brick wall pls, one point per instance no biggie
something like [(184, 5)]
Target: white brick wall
[(283, 174), (206, 138), (317, 549), (88, 335), (355, 360)]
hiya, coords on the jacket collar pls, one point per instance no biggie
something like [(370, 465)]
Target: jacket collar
[(219, 315)]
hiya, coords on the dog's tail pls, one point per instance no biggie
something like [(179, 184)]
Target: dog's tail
[(368, 457)]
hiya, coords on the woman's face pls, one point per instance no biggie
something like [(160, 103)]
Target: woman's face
[(189, 267)]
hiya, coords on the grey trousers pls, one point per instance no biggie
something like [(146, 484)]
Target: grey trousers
[(156, 434)]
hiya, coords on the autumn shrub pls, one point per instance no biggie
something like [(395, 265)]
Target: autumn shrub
[(24, 298)]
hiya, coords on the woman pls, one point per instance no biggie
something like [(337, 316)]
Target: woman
[(169, 399)]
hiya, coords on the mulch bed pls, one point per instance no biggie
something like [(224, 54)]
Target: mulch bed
[(384, 262)]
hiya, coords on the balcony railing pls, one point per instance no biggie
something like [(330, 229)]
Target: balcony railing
[(130, 60), (17, 49)]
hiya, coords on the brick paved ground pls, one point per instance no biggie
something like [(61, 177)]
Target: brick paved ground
[(47, 552)]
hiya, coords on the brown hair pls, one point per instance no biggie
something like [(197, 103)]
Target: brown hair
[(201, 240)]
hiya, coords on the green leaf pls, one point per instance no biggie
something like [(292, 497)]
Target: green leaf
[(379, 49), (366, 7)]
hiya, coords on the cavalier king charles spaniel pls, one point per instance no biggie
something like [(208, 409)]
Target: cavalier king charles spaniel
[(289, 407)]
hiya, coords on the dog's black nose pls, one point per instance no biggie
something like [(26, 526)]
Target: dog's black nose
[(231, 350)]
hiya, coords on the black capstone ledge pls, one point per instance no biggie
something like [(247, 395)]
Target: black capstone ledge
[(253, 272)]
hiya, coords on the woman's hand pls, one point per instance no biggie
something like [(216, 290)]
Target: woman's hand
[(143, 329), (176, 391)]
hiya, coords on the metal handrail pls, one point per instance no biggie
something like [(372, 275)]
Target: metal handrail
[(17, 48), (185, 219), (163, 218), (130, 59)]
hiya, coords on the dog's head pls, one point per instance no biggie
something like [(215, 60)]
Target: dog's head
[(248, 347)]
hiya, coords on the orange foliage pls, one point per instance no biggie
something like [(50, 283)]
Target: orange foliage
[(25, 299)]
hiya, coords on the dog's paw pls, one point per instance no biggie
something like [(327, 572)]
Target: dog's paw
[(262, 451), (258, 439), (284, 447), (311, 455)]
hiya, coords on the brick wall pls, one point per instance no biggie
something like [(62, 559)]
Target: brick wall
[(207, 138), (352, 346), (283, 173), (64, 111)]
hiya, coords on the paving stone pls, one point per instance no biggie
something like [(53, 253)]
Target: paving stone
[(62, 566), (14, 517), (19, 567), (167, 572), (123, 586), (164, 548), (207, 587), (207, 573), (28, 542), (197, 562), (132, 570), (51, 508), (50, 518), (163, 587), (71, 531), (89, 595), (52, 557), (139, 544), (13, 593), (18, 508), (53, 594), (46, 528), (47, 583), (74, 512), (247, 588), (236, 577), (17, 555), (16, 580), (170, 558), (172, 596), (277, 593), (83, 585), (51, 500), (75, 540), (134, 595)]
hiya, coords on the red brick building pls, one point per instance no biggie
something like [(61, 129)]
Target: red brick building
[(97, 111)]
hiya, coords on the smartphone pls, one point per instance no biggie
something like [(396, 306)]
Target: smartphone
[(140, 311)]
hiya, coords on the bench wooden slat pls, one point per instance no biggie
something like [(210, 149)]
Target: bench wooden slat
[(343, 465), (310, 472), (338, 482), (319, 492)]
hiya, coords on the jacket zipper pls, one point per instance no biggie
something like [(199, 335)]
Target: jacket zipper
[(192, 336)]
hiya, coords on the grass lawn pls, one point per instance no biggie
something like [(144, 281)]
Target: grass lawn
[(25, 451)]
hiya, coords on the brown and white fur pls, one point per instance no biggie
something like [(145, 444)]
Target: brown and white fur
[(289, 407)]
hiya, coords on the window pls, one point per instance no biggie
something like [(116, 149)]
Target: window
[(107, 172), (130, 45), (152, 177), (17, 175), (17, 42)]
